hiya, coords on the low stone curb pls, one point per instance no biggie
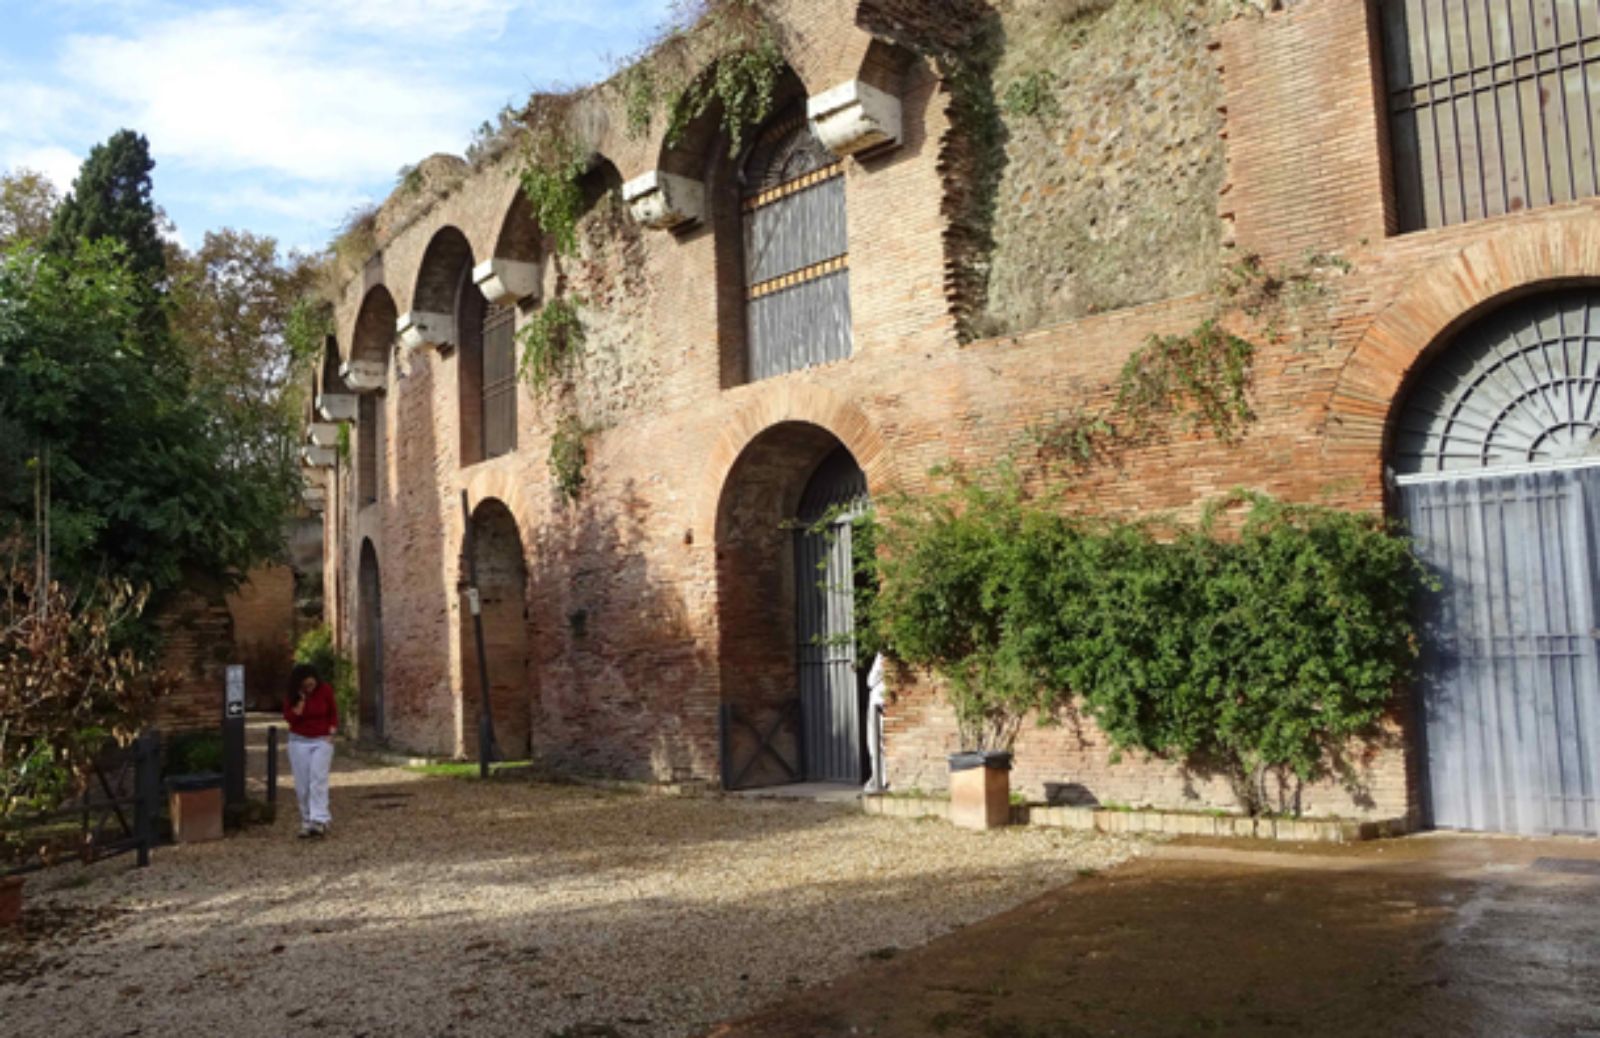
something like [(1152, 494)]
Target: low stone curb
[(1166, 823)]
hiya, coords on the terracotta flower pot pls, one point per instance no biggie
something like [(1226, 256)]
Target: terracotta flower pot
[(10, 900), (980, 789)]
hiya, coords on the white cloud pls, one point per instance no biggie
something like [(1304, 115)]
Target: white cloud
[(238, 89), (59, 164)]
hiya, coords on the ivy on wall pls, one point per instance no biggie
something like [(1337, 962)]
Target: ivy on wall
[(568, 455), (550, 341)]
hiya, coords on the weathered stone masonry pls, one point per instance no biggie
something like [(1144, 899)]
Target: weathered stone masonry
[(641, 614)]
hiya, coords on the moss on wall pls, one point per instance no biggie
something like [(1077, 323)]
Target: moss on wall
[(1113, 160)]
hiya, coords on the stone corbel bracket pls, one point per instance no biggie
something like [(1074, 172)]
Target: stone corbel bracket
[(336, 407), (364, 376), (320, 457), (665, 201), (323, 434), (420, 330), (854, 117), (507, 282), (315, 498)]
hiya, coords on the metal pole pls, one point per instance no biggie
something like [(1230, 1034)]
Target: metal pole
[(147, 777), (272, 765), (486, 747)]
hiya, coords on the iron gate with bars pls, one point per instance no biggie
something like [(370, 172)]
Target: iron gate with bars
[(831, 707), (114, 815), (1510, 674)]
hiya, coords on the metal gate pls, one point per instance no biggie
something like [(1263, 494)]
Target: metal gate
[(1497, 461), (831, 706), (1511, 682)]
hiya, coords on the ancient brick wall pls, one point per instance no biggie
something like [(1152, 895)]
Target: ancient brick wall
[(651, 599)]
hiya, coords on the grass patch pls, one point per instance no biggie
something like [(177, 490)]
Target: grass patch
[(464, 769)]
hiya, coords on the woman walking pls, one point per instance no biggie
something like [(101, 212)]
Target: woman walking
[(313, 718)]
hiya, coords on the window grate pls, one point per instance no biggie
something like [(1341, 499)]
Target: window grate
[(1492, 106), (499, 382)]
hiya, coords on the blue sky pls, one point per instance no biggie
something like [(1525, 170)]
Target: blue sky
[(280, 116)]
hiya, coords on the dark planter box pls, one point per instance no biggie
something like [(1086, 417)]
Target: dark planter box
[(980, 789)]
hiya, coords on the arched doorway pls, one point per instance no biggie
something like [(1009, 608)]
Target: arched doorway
[(502, 594), (793, 704), (1496, 465), (369, 645)]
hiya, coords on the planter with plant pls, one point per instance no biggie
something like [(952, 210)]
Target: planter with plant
[(194, 787)]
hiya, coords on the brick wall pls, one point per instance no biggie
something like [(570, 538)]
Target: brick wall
[(673, 557)]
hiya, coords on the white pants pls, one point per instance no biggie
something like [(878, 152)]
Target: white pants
[(310, 760)]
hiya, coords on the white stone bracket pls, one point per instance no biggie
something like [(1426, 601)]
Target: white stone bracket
[(336, 407), (364, 376), (320, 457), (323, 434), (665, 201), (854, 117), (507, 282), (421, 330), (315, 498)]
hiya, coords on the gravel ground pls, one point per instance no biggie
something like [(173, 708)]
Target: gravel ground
[(441, 906)]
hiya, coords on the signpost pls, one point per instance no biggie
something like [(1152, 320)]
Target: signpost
[(233, 759)]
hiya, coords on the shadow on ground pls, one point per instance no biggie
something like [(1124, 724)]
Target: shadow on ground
[(1335, 945)]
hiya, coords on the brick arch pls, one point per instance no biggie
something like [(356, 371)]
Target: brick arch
[(779, 405), (1408, 333), (498, 484), (439, 275), (371, 336)]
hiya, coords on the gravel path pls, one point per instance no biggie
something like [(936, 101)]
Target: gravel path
[(442, 906)]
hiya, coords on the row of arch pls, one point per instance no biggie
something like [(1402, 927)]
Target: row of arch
[(775, 211)]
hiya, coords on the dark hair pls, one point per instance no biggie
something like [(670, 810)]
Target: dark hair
[(300, 672)]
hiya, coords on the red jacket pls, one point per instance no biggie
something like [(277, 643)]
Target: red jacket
[(319, 718)]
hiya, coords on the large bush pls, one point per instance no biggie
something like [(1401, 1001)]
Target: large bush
[(1263, 653)]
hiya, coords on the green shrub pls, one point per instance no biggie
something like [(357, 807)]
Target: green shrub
[(190, 753), (337, 669), (1256, 656)]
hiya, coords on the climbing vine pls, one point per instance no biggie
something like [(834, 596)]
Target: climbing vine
[(552, 162), (1201, 377), (743, 81), (549, 343), (568, 455)]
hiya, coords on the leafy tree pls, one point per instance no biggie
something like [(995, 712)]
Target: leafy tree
[(234, 301), (112, 198), (27, 200)]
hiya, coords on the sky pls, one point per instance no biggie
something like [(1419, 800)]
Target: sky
[(281, 116)]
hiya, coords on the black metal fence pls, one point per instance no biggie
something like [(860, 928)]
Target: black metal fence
[(115, 814)]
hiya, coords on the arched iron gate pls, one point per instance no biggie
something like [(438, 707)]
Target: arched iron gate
[(1497, 472)]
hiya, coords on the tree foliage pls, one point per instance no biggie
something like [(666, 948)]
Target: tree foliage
[(1258, 654), (27, 199), (164, 446)]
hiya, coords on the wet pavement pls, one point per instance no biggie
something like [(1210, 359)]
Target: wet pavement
[(1432, 935)]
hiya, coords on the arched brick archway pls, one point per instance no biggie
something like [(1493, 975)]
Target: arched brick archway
[(766, 466), (503, 596), (1424, 317), (369, 643)]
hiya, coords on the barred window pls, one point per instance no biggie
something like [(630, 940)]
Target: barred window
[(796, 259), (1492, 105), (499, 381), (369, 447)]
